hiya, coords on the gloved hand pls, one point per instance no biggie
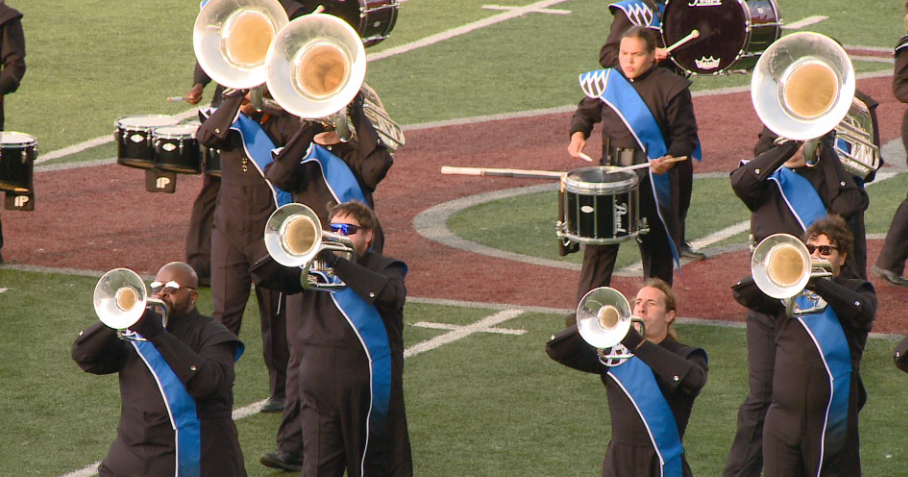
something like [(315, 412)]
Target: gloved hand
[(150, 325), (328, 257)]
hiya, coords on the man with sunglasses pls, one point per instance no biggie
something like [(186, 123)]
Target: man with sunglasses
[(811, 427), (349, 346), (785, 196), (180, 372)]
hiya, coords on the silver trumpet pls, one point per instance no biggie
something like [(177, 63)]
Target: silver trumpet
[(604, 318), (120, 301), (781, 267)]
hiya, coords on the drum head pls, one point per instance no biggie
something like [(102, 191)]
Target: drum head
[(145, 121), (600, 179), (181, 131), (10, 138), (723, 27)]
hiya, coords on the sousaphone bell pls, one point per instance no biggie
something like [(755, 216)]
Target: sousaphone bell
[(604, 318), (294, 238), (120, 301), (781, 267)]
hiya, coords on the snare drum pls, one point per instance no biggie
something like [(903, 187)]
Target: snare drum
[(176, 149), (733, 33), (600, 207), (17, 158), (373, 19), (133, 136)]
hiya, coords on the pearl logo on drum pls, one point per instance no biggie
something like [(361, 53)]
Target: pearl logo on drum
[(169, 147), (620, 213), (587, 209), (137, 138)]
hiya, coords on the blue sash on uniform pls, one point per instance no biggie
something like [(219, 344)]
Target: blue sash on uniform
[(800, 196), (639, 13), (258, 148), (370, 328), (340, 179), (181, 408), (619, 94), (826, 332), (637, 381)]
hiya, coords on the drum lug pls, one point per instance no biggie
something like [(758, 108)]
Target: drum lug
[(181, 148)]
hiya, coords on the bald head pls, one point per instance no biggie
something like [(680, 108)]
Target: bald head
[(181, 300)]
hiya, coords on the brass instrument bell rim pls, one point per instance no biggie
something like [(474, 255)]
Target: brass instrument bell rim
[(787, 80), (105, 298), (229, 28), (297, 64)]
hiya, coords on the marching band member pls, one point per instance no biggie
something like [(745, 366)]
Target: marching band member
[(349, 348), (784, 196), (246, 200), (12, 55), (660, 103), (890, 265), (182, 374), (811, 427), (651, 395), (320, 170)]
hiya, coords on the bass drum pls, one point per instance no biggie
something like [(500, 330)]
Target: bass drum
[(17, 158), (373, 19), (600, 207), (733, 33)]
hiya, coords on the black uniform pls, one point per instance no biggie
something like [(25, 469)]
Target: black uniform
[(12, 56), (680, 372), (669, 100), (244, 204), (771, 215), (895, 250), (201, 353), (340, 413), (369, 162), (793, 438)]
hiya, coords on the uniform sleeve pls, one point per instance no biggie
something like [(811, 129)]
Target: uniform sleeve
[(13, 55), (199, 76), (384, 289), (204, 373), (373, 160), (569, 349), (900, 75), (751, 297), (589, 112), (682, 125), (680, 374), (608, 55), (286, 172), (214, 130), (750, 180), (855, 306), (842, 194), (98, 350)]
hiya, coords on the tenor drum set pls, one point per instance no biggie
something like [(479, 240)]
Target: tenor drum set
[(162, 146)]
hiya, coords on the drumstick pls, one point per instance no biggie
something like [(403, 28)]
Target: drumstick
[(693, 35), (646, 164), (584, 156), (481, 171), (175, 98)]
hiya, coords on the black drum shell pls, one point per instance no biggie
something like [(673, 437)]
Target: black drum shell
[(734, 33), (17, 164), (373, 19), (601, 207), (176, 149), (135, 147)]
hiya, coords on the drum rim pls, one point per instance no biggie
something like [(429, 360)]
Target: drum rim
[(33, 141), (131, 127), (158, 134), (573, 185)]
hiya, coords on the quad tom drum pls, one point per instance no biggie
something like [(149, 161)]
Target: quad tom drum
[(134, 141), (176, 149)]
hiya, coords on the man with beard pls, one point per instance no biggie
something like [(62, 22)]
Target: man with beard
[(179, 375)]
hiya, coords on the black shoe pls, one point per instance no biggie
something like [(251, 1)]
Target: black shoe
[(273, 404), (889, 276), (281, 459), (687, 251)]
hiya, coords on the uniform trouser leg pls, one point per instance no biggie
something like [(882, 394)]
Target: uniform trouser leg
[(655, 252), (745, 459), (290, 431), (335, 401), (230, 281), (596, 271), (895, 249), (1, 235), (684, 177), (273, 314), (201, 220)]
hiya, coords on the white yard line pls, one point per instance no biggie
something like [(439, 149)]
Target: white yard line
[(812, 20)]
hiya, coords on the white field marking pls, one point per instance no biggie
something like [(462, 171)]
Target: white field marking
[(445, 326), (98, 141), (470, 27), (4, 290), (538, 10), (462, 332), (811, 20)]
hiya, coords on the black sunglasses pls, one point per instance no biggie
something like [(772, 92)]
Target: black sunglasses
[(346, 229), (824, 249)]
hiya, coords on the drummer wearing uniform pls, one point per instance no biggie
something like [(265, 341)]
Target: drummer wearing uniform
[(667, 129), (12, 54)]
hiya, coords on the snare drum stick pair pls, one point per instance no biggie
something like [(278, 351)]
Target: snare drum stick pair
[(531, 173)]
